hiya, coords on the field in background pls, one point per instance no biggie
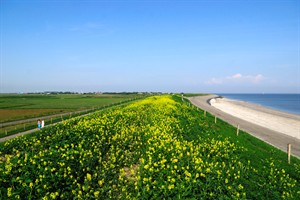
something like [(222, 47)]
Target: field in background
[(23, 106), (19, 112), (194, 94)]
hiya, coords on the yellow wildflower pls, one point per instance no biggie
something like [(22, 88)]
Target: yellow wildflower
[(100, 182), (9, 192), (88, 177), (96, 194), (171, 186)]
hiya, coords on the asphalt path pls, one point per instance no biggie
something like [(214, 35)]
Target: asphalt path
[(44, 117), (271, 137)]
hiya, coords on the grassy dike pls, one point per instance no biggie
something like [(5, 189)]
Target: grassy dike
[(155, 148)]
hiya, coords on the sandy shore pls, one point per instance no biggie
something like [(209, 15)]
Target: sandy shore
[(282, 122), (274, 127)]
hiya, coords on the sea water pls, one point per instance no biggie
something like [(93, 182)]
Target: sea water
[(283, 102)]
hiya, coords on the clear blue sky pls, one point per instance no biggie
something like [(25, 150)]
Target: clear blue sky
[(168, 46)]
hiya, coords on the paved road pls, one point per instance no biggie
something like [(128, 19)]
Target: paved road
[(18, 134), (274, 138)]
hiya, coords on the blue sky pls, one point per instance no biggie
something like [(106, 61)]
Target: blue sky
[(167, 46)]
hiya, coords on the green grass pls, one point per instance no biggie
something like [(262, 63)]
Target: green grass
[(60, 101)]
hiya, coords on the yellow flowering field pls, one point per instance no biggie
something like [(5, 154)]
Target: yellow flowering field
[(155, 148)]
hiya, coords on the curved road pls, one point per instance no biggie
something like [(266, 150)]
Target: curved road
[(274, 138)]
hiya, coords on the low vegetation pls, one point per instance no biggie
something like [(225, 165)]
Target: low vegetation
[(23, 106), (156, 148)]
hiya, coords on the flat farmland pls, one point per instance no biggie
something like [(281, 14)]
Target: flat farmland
[(23, 106)]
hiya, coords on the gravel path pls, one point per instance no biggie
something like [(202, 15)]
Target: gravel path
[(265, 133)]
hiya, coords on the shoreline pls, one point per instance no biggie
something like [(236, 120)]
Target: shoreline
[(264, 132), (259, 107), (275, 120), (271, 101)]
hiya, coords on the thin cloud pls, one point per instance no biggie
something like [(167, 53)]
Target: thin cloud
[(254, 79), (235, 76), (214, 81)]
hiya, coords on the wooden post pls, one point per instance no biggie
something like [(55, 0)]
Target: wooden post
[(238, 130), (289, 146), (215, 119), (5, 132)]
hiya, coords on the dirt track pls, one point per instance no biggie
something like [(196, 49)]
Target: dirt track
[(274, 138)]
